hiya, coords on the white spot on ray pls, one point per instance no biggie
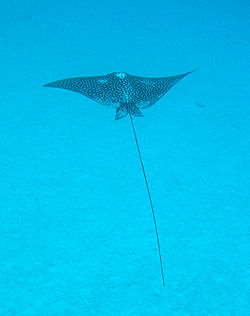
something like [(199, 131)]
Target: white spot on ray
[(103, 80), (127, 97), (120, 75)]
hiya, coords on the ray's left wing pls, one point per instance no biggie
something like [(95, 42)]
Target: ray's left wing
[(97, 88)]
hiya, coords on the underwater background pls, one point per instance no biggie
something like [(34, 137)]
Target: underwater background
[(76, 229)]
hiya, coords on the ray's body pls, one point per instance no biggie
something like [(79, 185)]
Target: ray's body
[(128, 95)]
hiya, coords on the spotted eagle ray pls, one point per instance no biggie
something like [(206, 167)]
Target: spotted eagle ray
[(128, 94)]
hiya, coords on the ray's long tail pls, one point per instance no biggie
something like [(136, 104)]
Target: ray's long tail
[(150, 199)]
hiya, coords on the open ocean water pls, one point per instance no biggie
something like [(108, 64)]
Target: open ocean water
[(76, 230)]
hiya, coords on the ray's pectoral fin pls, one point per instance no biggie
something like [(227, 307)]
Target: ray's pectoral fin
[(121, 112)]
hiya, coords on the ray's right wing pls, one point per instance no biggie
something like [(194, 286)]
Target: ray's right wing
[(150, 90)]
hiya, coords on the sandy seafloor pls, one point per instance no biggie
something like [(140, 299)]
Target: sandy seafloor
[(76, 229)]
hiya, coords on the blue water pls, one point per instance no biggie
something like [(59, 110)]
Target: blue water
[(76, 229)]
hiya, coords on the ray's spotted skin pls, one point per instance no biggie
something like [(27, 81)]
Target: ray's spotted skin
[(128, 95)]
